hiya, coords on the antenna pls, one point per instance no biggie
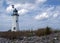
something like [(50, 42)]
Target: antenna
[(12, 6)]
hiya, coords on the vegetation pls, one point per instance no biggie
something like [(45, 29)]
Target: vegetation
[(48, 31), (43, 31), (15, 35)]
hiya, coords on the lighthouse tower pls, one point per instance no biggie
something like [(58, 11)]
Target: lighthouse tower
[(15, 24)]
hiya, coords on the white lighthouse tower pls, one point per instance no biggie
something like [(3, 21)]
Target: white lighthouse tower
[(15, 24)]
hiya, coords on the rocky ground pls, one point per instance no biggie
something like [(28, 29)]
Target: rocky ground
[(52, 38)]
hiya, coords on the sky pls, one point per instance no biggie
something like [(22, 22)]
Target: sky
[(33, 14)]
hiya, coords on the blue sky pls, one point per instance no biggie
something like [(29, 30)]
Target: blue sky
[(34, 14)]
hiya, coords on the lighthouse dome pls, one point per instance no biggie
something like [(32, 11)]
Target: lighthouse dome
[(15, 10)]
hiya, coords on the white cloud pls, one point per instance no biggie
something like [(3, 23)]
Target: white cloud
[(50, 8), (51, 12), (40, 1), (56, 14), (22, 8), (22, 11), (9, 8), (27, 6), (42, 16)]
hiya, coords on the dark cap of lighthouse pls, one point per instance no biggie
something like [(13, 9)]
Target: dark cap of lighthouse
[(15, 11)]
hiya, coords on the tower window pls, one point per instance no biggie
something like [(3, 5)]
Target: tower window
[(16, 20), (14, 28)]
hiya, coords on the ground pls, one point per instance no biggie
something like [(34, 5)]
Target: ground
[(52, 38)]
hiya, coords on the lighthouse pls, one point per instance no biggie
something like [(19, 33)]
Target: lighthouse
[(15, 24)]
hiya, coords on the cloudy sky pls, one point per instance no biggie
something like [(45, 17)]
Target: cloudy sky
[(34, 14)]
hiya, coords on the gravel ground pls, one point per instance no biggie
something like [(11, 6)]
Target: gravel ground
[(52, 38)]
